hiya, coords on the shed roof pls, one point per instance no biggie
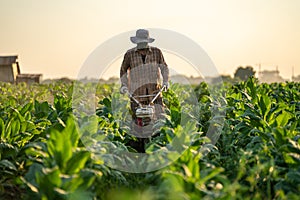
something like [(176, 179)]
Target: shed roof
[(8, 60), (29, 75)]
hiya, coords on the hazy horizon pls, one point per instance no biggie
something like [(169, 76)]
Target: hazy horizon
[(56, 37)]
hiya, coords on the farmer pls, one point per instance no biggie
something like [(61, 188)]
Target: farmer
[(140, 72)]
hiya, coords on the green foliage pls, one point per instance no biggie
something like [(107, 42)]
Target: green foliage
[(63, 170), (44, 154)]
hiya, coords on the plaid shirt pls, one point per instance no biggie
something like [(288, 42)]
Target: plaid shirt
[(142, 77)]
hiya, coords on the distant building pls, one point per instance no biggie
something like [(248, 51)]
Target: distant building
[(10, 71), (29, 78), (9, 68), (296, 78), (270, 76)]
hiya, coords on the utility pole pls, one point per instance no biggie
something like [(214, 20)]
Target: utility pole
[(259, 71), (293, 77)]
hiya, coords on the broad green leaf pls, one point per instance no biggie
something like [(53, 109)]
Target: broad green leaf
[(77, 162), (71, 132), (82, 182), (7, 132), (6, 164), (17, 115), (293, 176), (211, 174), (7, 150), (264, 105), (31, 186), (89, 126), (2, 128), (15, 127), (26, 108), (291, 158), (187, 171), (279, 135), (50, 176), (152, 148), (252, 87), (283, 118), (60, 147)]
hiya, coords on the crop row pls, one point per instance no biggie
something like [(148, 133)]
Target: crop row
[(232, 142)]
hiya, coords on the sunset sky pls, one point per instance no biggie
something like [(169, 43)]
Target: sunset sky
[(55, 37)]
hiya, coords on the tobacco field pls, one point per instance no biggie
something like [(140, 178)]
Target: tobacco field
[(255, 155)]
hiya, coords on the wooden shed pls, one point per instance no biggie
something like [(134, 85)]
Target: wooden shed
[(29, 78), (10, 71), (9, 68)]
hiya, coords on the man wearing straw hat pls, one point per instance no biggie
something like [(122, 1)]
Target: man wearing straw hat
[(141, 69)]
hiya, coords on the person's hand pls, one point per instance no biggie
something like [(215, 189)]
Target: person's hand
[(166, 85), (123, 90)]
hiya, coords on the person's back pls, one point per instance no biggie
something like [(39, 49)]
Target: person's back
[(141, 69)]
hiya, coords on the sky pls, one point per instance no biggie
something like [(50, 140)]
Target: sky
[(56, 37)]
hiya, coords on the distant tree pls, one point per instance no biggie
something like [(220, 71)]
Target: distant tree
[(227, 78), (223, 78), (243, 73)]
